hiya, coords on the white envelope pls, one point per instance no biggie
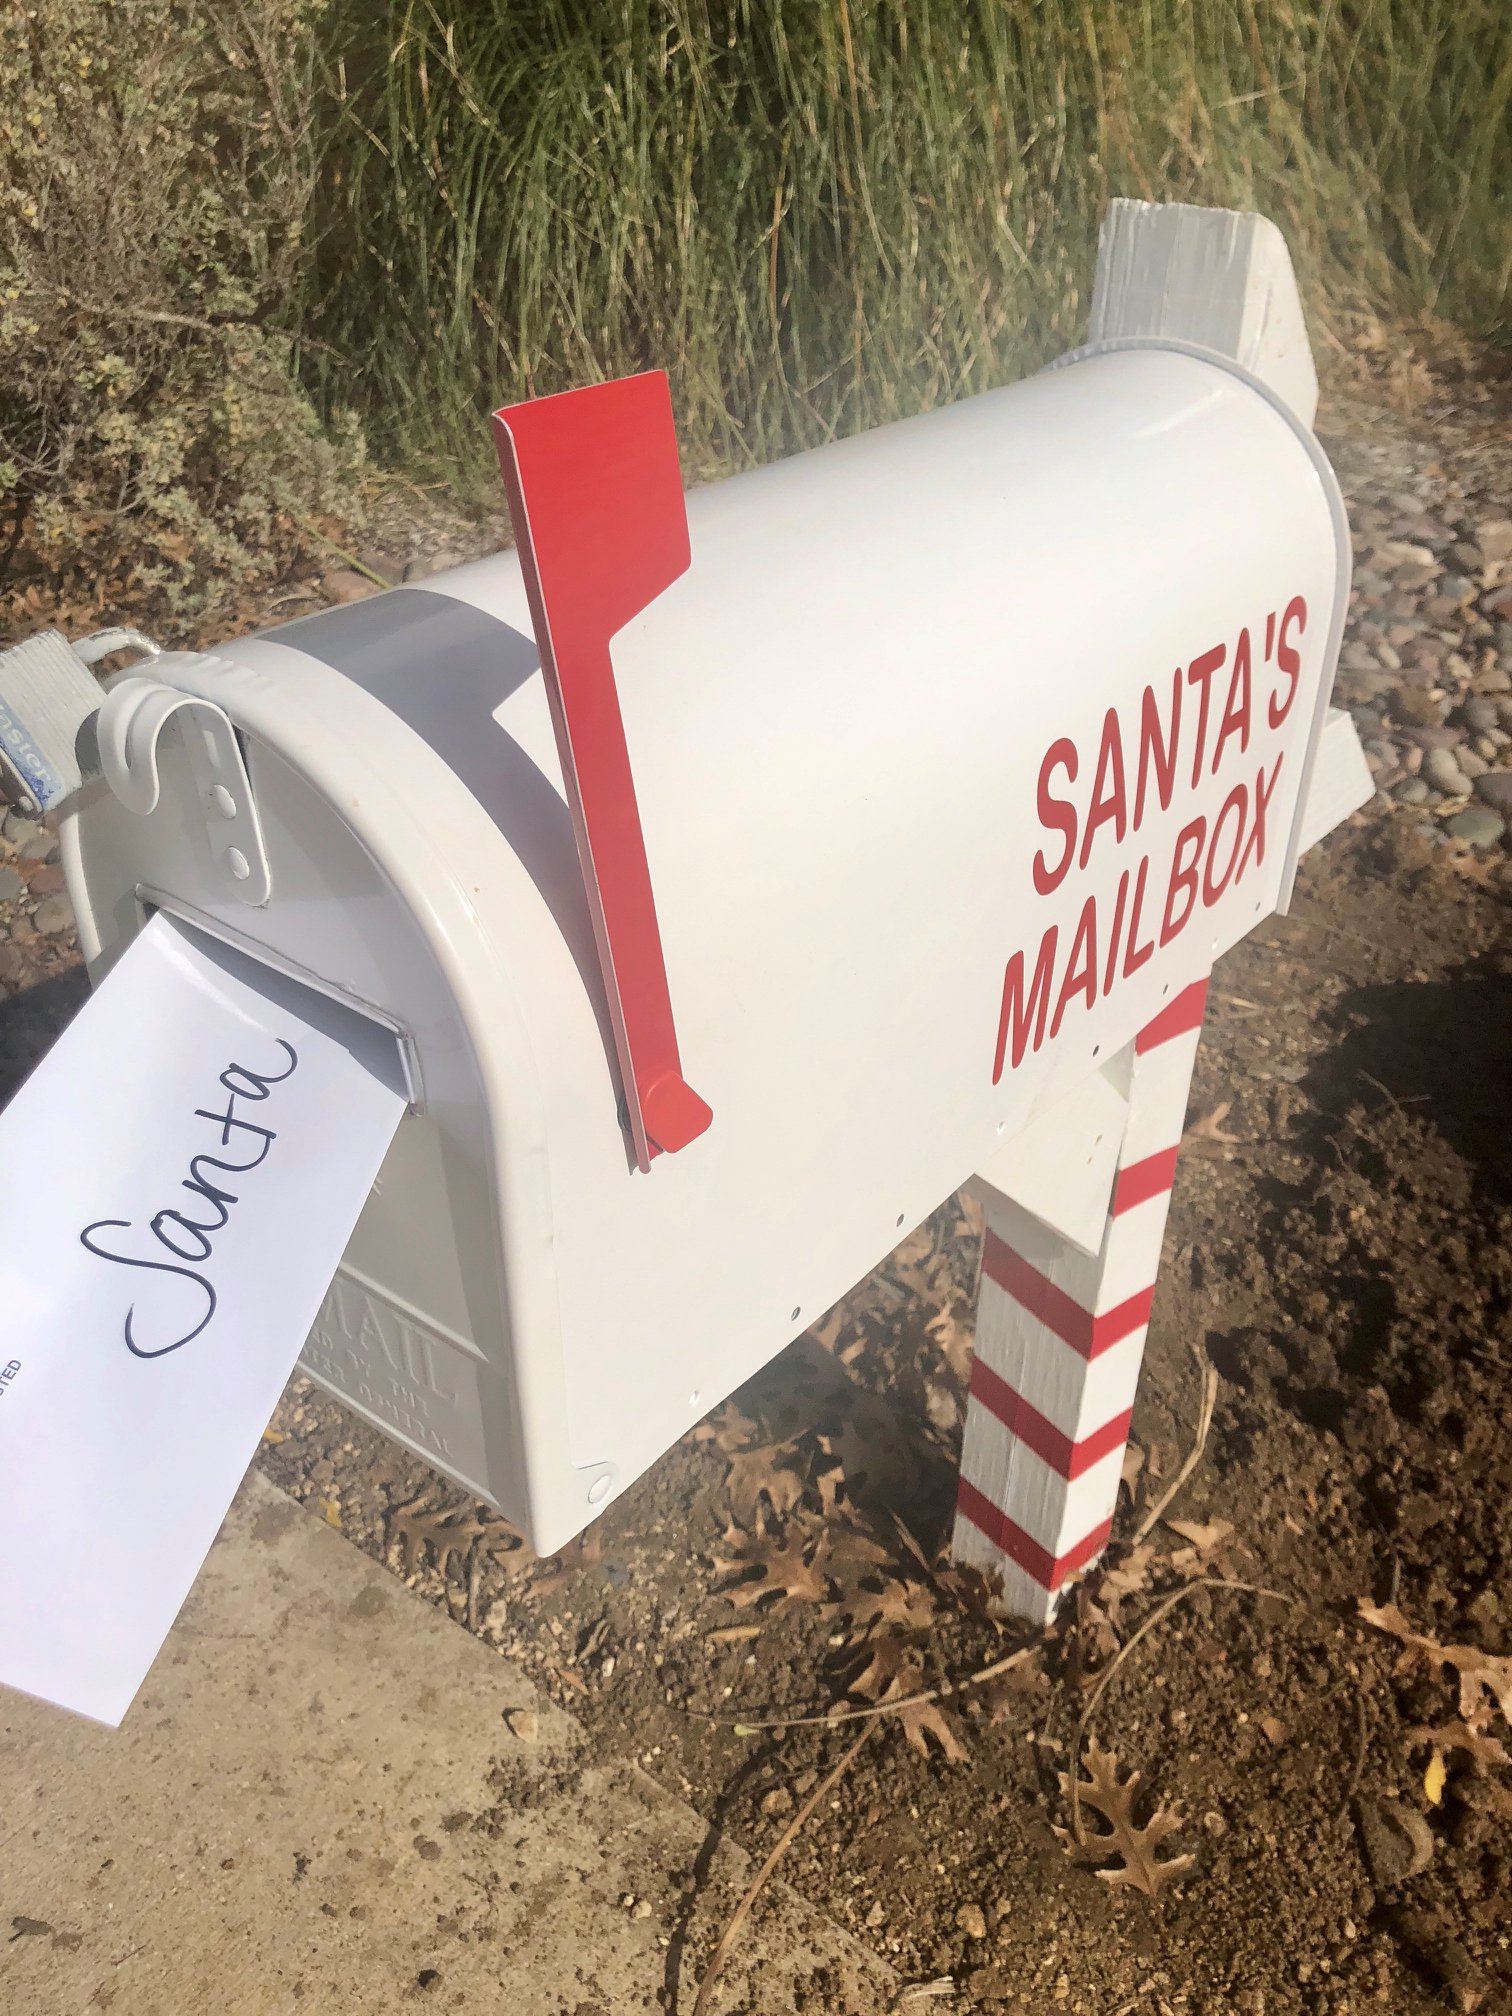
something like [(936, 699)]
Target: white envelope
[(178, 1180)]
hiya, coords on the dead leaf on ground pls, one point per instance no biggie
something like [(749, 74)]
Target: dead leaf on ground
[(733, 1431), (783, 1568), (1097, 1637), (1138, 1847), (1128, 1577), (447, 1530), (510, 1551), (1480, 1673), (1204, 1537), (1209, 1128), (1484, 1751), (761, 1473), (857, 1549), (827, 1334), (909, 1606), (928, 1720), (894, 1672), (953, 1330), (942, 1407), (887, 1660)]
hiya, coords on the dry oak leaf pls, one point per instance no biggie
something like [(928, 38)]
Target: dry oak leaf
[(511, 1552), (855, 1548), (1479, 1672), (908, 1605), (888, 1658), (781, 1569), (893, 1673), (447, 1530), (927, 1719), (756, 1473), (1113, 1798), (733, 1431), (924, 1720)]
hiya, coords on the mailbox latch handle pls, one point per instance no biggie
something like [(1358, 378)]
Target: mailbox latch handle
[(133, 717), (596, 499)]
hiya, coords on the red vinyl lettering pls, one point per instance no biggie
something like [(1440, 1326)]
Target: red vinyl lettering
[(1056, 815), (1255, 844), (1137, 954), (1289, 658), (1183, 877), (1236, 713), (1020, 1014), (1081, 968), (1108, 800), (1157, 751), (1236, 802), (1200, 673)]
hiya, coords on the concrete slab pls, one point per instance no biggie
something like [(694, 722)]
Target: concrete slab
[(317, 1805)]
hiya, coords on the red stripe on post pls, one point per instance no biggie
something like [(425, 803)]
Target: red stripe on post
[(1177, 1018), (1143, 1180), (1090, 1335), (1069, 1459), (1049, 1570)]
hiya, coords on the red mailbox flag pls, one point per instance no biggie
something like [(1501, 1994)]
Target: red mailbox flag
[(596, 500)]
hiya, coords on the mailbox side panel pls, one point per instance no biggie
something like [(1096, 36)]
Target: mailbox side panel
[(960, 750)]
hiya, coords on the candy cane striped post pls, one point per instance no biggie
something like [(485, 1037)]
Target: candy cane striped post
[(1059, 1339)]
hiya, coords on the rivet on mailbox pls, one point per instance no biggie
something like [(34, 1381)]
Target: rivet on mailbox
[(898, 797)]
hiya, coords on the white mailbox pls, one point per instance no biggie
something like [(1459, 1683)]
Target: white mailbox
[(948, 764)]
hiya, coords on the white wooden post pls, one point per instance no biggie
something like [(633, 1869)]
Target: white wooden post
[(1059, 1340)]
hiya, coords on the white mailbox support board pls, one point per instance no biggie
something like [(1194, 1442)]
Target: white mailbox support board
[(960, 752)]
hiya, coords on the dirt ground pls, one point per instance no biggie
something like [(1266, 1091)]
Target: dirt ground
[(1338, 1275)]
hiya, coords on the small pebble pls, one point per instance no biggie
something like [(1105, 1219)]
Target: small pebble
[(972, 1921), (1417, 707), (1479, 712), (53, 916), (1411, 791), (1495, 790), (1444, 774), (1477, 827), (11, 885), (1472, 764), (344, 584)]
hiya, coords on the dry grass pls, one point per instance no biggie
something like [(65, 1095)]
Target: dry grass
[(819, 214)]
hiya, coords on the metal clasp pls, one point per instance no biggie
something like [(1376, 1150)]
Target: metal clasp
[(133, 717)]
